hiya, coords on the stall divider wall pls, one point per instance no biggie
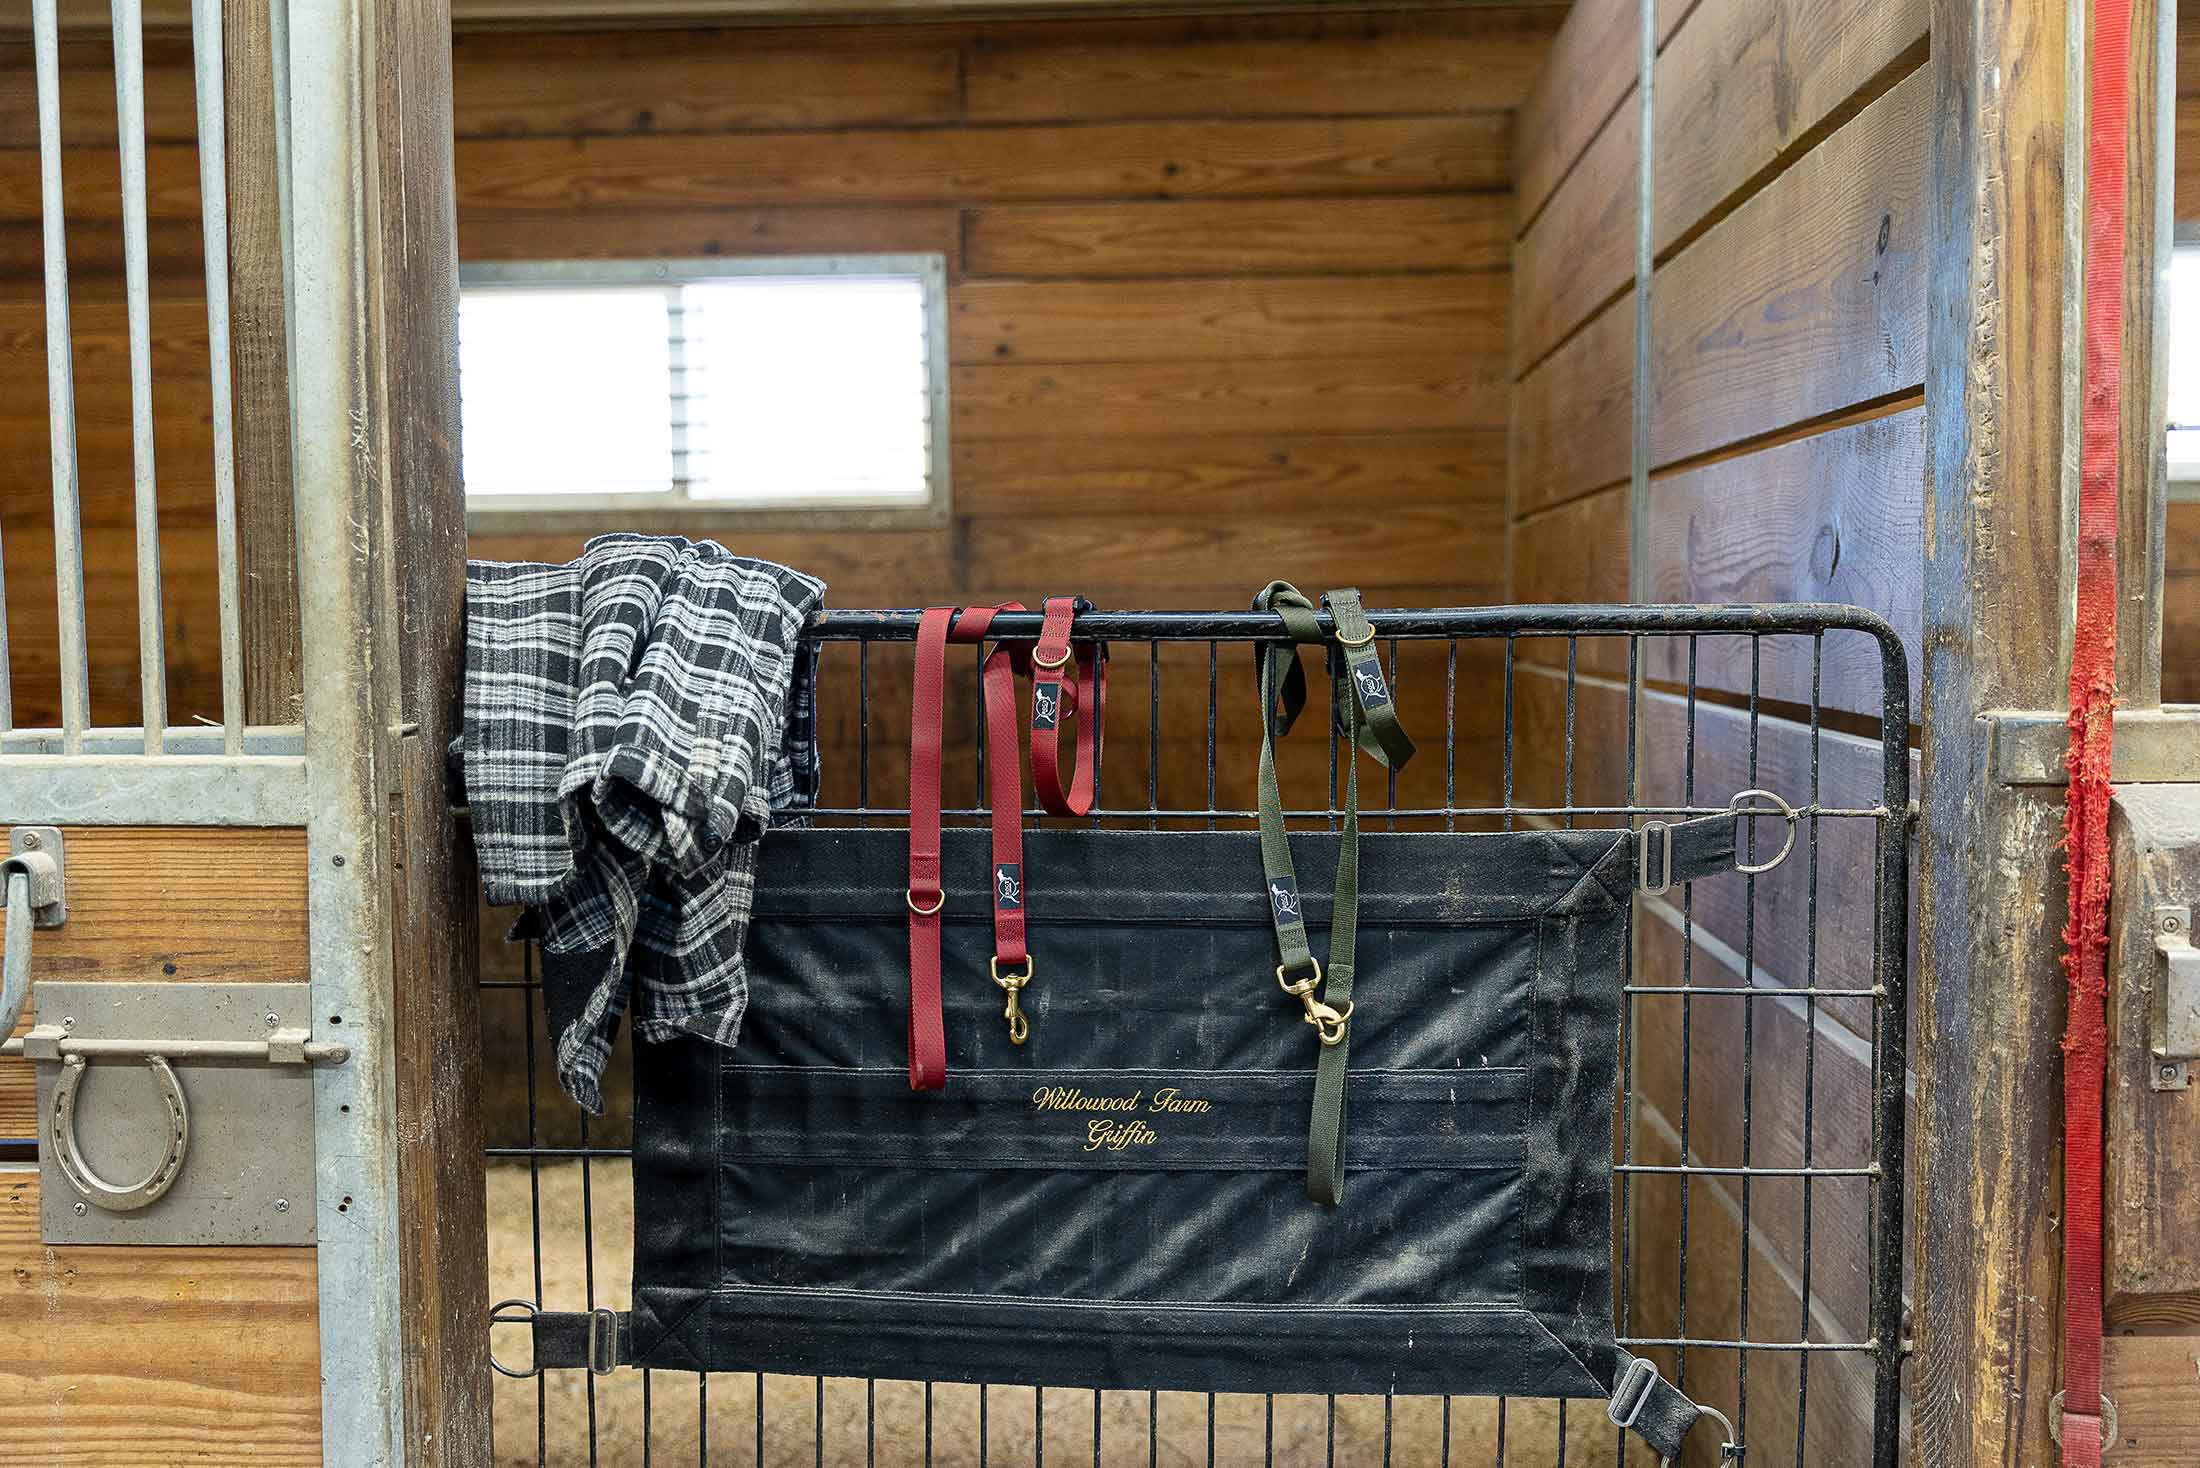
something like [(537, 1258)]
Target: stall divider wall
[(306, 838), (1782, 414), (1823, 177)]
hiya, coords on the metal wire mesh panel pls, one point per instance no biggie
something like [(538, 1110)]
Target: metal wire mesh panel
[(1758, 1140)]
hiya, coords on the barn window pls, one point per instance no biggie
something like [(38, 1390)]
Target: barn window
[(2184, 371), (664, 394)]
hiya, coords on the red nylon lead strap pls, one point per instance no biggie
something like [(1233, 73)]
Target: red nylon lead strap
[(926, 896), (2092, 701), (1061, 686)]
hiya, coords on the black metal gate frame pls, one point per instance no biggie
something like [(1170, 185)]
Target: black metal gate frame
[(1884, 1173)]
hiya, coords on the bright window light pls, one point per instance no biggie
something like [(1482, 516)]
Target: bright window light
[(2184, 363), (781, 384)]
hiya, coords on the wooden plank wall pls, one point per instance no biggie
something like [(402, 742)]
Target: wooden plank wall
[(1785, 405), (1228, 301), (119, 1355), (1253, 271)]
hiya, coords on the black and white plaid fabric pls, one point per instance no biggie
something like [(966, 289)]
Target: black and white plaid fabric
[(634, 722)]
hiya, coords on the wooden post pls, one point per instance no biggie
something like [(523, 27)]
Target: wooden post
[(2002, 397), (412, 295), (267, 542), (2001, 394)]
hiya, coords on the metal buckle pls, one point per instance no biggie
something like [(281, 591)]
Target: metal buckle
[(1631, 1393), (498, 1317), (909, 895), (1743, 812), (603, 1341), (1657, 835), (603, 1337)]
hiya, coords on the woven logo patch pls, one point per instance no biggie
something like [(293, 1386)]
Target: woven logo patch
[(1284, 896), (1368, 678), (1008, 885), (1046, 705)]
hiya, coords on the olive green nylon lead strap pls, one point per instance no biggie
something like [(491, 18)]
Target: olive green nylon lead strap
[(1368, 720)]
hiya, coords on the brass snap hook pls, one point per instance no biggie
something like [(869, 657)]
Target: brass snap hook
[(1327, 1019), (1019, 1027)]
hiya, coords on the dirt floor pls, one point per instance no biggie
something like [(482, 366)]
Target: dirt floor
[(841, 1424)]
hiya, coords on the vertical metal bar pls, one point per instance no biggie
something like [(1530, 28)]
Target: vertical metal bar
[(348, 889), (1810, 1048), (68, 527), (1749, 1046), (1890, 1051), (213, 142), (1688, 958), (1153, 734), (534, 1187), (1646, 174), (1624, 1185), (1505, 752), (129, 28), (1572, 689), (588, 1275), (1213, 656), (1390, 823), (760, 1420), (1451, 767), (647, 1374), (863, 731), (702, 1419)]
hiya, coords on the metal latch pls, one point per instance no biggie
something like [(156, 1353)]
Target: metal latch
[(199, 1095), (2176, 1019), (32, 891)]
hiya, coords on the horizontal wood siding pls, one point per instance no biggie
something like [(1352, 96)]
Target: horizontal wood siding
[(1229, 300), (121, 1355), (1263, 259), (1785, 409)]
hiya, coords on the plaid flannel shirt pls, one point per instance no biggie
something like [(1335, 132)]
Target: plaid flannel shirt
[(634, 722)]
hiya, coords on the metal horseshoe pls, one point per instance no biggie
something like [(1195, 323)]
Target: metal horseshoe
[(70, 1152)]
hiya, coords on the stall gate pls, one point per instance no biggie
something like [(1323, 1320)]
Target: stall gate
[(1760, 1141), (200, 1208), (241, 1204)]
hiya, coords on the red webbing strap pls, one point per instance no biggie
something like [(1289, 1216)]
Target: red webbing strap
[(2092, 701), (1061, 685), (926, 896)]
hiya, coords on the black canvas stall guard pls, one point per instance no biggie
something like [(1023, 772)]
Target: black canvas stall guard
[(1121, 1202)]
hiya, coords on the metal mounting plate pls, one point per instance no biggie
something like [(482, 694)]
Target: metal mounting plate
[(246, 1176)]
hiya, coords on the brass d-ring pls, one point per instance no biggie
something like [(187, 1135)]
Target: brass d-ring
[(909, 895), (1040, 662), (69, 1152), (1361, 641)]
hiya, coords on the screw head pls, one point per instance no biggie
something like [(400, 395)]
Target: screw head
[(272, 1022), (282, 1205), (32, 841), (79, 1210), (2168, 1072), (68, 1021), (2173, 922)]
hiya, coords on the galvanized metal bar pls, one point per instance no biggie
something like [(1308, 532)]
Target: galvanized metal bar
[(68, 528), (348, 892), (213, 142), (129, 33), (175, 790)]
